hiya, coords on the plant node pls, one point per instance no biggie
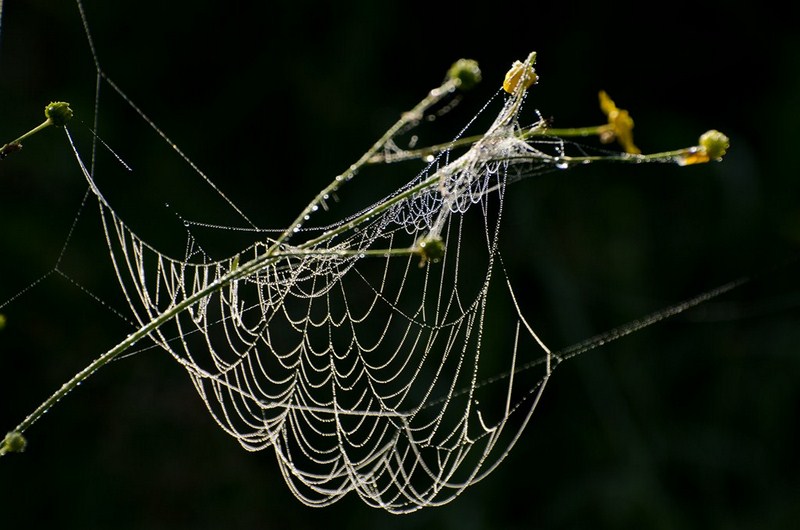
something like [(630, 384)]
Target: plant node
[(11, 147)]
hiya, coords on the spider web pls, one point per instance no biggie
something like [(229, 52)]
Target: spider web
[(361, 372), (361, 365)]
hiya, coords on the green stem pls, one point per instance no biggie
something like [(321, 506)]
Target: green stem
[(129, 341), (241, 271), (425, 184), (15, 145), (570, 132), (45, 124), (277, 250), (416, 114), (673, 156), (415, 154), (273, 254)]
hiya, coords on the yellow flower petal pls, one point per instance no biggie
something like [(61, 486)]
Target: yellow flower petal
[(520, 73), (620, 125)]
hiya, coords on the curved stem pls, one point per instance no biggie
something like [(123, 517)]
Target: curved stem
[(16, 145), (415, 114), (273, 254), (278, 249)]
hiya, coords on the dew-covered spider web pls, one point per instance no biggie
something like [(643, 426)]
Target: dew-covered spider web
[(358, 362), (355, 344)]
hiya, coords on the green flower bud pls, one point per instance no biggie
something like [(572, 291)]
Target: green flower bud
[(715, 144), (14, 442), (466, 72), (431, 248), (58, 112)]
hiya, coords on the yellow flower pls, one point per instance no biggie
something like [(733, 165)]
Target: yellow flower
[(620, 125), (520, 74)]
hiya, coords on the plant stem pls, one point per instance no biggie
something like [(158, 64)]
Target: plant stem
[(273, 254), (278, 249), (246, 269), (16, 145), (414, 154), (416, 114)]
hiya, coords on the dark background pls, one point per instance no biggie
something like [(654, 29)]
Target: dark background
[(691, 423)]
